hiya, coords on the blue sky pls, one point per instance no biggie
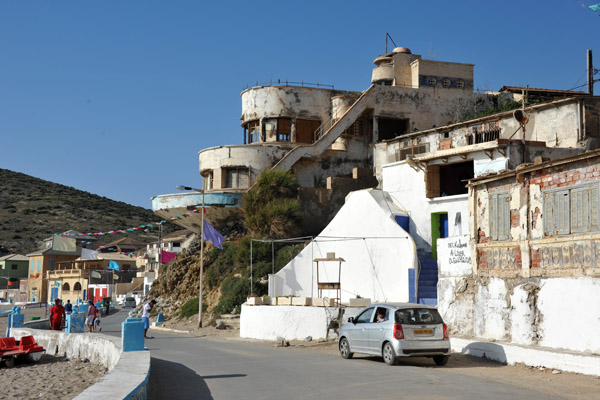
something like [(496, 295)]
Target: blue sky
[(117, 97)]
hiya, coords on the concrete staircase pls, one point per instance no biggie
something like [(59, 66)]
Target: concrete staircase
[(328, 132), (428, 278)]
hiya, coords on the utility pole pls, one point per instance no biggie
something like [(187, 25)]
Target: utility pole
[(179, 187), (590, 73)]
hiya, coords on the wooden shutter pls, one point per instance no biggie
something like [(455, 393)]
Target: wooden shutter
[(503, 216), (494, 216), (580, 209), (432, 181), (594, 198), (561, 213), (548, 214)]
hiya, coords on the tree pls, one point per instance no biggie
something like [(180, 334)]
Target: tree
[(271, 206)]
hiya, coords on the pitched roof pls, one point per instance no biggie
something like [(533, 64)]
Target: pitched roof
[(14, 257), (125, 242)]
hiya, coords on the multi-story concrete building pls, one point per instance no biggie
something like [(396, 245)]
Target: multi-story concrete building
[(326, 136)]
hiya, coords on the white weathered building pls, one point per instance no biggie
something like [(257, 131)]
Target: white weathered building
[(326, 136)]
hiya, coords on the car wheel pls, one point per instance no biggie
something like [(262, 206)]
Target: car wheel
[(345, 349), (389, 355), (9, 362), (440, 360)]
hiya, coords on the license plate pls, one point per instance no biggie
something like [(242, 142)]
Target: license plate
[(423, 331)]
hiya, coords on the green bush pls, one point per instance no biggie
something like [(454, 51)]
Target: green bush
[(271, 206), (234, 292), (189, 308)]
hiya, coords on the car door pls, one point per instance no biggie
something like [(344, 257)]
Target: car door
[(358, 334), (379, 330)]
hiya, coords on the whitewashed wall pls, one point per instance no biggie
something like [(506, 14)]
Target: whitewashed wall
[(407, 187), (284, 322), (559, 313), (375, 267)]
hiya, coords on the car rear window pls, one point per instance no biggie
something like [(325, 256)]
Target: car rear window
[(130, 299), (415, 316)]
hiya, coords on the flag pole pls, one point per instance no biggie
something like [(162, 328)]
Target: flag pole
[(201, 265), (48, 295)]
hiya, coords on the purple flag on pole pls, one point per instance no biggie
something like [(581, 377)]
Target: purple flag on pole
[(212, 235)]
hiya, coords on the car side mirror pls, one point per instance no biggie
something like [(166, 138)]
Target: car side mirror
[(351, 319)]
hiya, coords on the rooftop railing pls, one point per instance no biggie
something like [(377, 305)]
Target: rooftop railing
[(279, 82)]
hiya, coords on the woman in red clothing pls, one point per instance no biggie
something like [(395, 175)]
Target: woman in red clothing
[(57, 313)]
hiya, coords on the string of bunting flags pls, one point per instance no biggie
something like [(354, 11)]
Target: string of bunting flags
[(134, 229)]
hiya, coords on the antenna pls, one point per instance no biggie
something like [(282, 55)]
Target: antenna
[(387, 35)]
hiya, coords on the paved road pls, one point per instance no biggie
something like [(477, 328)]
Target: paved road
[(199, 368)]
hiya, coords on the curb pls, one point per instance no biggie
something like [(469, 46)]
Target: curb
[(533, 356), (160, 328), (128, 371)]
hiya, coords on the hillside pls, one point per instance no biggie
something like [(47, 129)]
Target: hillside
[(32, 209)]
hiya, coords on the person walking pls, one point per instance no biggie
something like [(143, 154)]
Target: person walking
[(146, 316), (57, 313), (91, 316), (68, 308)]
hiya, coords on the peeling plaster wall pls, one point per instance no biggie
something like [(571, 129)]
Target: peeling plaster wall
[(426, 108), (257, 158), (490, 311), (375, 267), (313, 172), (287, 101), (560, 313), (534, 288)]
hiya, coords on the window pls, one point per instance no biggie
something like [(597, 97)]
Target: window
[(236, 178), (573, 210), (66, 287), (416, 316), (460, 84), (39, 265), (448, 179), (500, 216), (14, 266), (32, 268), (253, 128), (207, 180), (365, 316), (284, 129), (432, 81), (446, 82), (77, 286), (390, 128)]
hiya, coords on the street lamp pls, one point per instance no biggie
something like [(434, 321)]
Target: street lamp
[(179, 187)]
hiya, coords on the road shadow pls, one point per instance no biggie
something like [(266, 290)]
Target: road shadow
[(456, 360), (169, 380)]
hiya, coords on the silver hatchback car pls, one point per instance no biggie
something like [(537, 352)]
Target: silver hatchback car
[(396, 330)]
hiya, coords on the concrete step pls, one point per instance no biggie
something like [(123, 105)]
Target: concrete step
[(427, 301)]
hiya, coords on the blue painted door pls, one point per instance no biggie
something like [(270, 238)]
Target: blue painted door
[(53, 294), (443, 225)]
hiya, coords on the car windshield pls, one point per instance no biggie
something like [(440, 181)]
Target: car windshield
[(414, 316)]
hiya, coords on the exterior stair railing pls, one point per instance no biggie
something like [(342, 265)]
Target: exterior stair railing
[(328, 132)]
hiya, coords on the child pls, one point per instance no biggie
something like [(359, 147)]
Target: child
[(97, 327)]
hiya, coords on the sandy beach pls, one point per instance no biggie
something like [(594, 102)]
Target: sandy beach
[(49, 378)]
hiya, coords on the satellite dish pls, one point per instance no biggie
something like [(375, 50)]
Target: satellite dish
[(521, 116)]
